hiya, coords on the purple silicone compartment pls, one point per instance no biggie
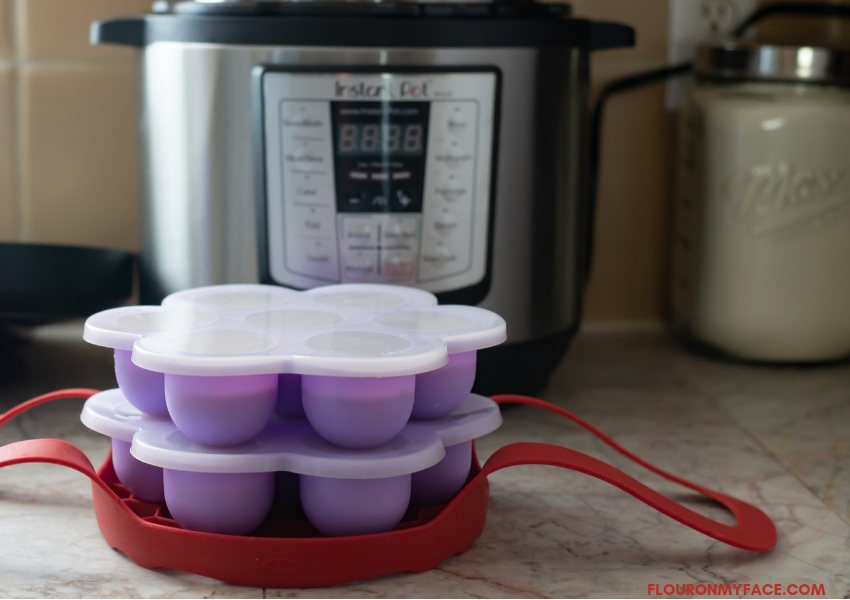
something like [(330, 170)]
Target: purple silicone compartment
[(143, 389), (221, 411), (340, 507), (144, 481), (228, 503), (289, 403), (358, 412), (440, 483), (442, 390)]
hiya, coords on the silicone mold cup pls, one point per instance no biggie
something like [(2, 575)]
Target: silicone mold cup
[(114, 416), (464, 330), (358, 412), (119, 328), (441, 391), (142, 479), (144, 389), (221, 411), (339, 507), (232, 503), (440, 483)]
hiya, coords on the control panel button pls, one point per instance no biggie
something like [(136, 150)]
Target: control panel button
[(452, 190), (317, 254), (439, 255), (314, 221), (399, 267), (446, 222), (307, 192), (457, 121), (358, 265), (454, 159), (357, 232), (313, 255), (401, 231), (304, 117)]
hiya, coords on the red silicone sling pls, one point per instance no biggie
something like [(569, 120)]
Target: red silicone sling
[(145, 533)]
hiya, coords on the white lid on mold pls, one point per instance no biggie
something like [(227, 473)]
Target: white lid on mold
[(110, 414), (120, 327), (290, 445), (460, 328), (343, 330)]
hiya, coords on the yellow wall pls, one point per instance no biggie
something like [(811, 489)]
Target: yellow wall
[(68, 159)]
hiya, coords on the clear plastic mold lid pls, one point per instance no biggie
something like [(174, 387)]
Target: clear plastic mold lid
[(233, 297), (369, 296), (460, 328), (355, 330), (119, 328), (291, 444), (110, 414), (476, 417)]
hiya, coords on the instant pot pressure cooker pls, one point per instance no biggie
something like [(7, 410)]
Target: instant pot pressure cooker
[(436, 145)]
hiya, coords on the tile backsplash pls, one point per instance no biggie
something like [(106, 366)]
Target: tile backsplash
[(68, 157), (68, 144)]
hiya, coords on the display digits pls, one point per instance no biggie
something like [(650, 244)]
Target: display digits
[(391, 142), (370, 139), (348, 138), (412, 139), (375, 138)]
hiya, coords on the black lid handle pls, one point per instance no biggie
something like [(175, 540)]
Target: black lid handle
[(123, 31), (610, 35)]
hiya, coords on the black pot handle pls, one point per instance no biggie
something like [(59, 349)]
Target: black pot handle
[(603, 35), (128, 31)]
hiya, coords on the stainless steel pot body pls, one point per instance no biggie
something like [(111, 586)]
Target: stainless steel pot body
[(200, 169), (519, 69)]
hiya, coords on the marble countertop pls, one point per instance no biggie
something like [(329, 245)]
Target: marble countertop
[(775, 437)]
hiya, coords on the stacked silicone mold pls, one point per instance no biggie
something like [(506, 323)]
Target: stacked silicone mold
[(352, 401)]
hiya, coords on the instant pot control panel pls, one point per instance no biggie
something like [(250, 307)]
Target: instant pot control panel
[(377, 176)]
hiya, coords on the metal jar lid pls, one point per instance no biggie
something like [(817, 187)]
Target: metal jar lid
[(745, 60)]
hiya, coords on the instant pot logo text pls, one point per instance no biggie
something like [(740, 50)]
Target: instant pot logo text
[(395, 90), (781, 197)]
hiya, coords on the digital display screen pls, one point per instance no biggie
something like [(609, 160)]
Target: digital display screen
[(380, 151), (380, 138)]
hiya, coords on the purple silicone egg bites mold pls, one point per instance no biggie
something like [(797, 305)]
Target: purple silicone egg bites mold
[(217, 350), (342, 491), (359, 391)]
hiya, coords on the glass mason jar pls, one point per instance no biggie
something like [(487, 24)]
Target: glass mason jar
[(761, 242)]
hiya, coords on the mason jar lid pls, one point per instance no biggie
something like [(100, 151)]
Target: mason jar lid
[(747, 60)]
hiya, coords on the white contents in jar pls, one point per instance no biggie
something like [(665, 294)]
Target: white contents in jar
[(761, 253)]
